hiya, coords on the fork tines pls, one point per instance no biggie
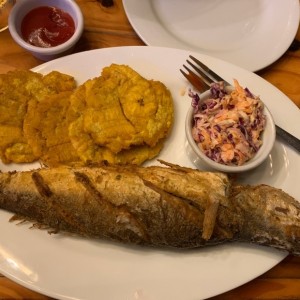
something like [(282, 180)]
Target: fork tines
[(203, 78), (206, 70), (196, 80)]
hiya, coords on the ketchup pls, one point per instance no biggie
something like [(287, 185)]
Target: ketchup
[(47, 26)]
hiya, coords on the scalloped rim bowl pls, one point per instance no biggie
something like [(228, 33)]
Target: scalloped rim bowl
[(269, 136), (19, 11)]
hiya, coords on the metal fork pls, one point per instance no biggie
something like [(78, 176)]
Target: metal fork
[(201, 77)]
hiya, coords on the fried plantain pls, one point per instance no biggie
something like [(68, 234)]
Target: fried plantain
[(120, 117), (17, 88), (46, 130)]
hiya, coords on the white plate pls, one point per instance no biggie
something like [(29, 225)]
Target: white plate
[(250, 34), (75, 268)]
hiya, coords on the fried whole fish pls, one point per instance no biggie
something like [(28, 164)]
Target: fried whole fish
[(168, 205)]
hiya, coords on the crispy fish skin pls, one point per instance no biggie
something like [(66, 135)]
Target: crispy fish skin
[(269, 217), (159, 206), (112, 202)]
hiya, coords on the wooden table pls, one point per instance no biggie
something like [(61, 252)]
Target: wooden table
[(109, 27)]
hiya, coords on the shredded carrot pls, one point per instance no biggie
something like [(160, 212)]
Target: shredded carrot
[(228, 129)]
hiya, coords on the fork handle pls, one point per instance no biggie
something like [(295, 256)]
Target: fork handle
[(288, 138)]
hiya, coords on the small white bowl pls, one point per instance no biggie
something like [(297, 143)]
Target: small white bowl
[(197, 155), (23, 7)]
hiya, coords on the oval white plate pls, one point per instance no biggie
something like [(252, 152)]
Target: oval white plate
[(64, 267), (250, 34)]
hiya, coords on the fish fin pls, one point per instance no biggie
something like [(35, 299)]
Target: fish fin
[(23, 220), (210, 216)]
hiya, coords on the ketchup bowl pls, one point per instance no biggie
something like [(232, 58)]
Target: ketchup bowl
[(57, 44)]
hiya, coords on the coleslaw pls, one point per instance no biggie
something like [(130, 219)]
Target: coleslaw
[(228, 127)]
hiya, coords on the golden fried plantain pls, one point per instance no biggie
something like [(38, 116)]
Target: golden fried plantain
[(46, 130), (17, 88), (120, 117)]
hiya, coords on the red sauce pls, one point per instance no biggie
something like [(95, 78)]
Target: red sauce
[(47, 26)]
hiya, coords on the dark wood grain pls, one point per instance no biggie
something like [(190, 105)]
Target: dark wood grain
[(109, 27)]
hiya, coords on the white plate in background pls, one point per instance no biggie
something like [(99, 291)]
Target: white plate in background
[(251, 34)]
